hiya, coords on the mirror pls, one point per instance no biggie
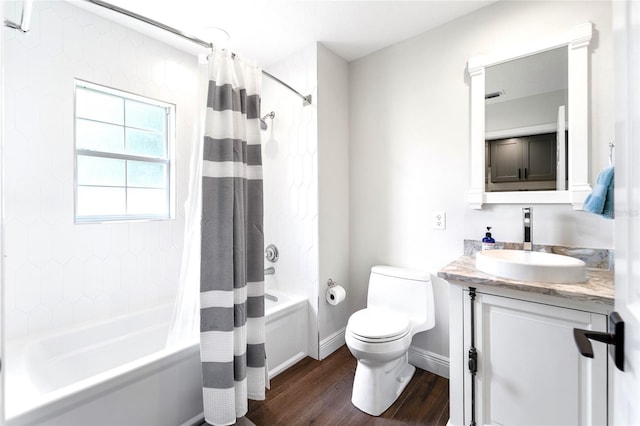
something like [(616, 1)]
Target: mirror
[(525, 105), (529, 122)]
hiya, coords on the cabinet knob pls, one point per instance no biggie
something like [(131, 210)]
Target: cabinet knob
[(615, 338)]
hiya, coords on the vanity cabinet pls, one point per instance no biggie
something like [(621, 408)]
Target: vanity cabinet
[(529, 371)]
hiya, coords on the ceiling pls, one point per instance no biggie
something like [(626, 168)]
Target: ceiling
[(270, 30)]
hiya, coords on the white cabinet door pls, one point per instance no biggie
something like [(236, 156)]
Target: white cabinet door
[(529, 369)]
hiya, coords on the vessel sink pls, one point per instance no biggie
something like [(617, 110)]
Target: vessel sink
[(532, 266)]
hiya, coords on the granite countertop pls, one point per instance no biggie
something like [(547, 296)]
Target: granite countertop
[(598, 288)]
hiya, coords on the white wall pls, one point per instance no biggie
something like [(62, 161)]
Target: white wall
[(59, 274), (409, 152), (524, 112), (290, 155), (2, 291), (333, 193), (305, 158)]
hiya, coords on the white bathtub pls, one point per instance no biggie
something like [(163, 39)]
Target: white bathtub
[(286, 331), (119, 372)]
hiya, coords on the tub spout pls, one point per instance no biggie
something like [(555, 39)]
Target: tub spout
[(270, 270), (271, 297)]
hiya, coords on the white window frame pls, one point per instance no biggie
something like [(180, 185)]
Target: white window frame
[(169, 160)]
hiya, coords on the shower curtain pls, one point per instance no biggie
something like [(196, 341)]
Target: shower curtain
[(184, 328), (232, 265)]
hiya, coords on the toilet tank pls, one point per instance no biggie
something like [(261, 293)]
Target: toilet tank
[(403, 290)]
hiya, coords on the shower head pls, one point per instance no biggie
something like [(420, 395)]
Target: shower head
[(263, 124)]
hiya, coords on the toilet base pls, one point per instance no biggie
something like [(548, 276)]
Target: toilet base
[(377, 385)]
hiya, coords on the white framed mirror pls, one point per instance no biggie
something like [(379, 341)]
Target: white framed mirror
[(566, 172)]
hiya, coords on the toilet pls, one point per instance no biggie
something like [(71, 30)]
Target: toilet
[(399, 305)]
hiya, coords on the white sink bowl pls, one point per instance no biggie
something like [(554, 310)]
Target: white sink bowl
[(532, 266)]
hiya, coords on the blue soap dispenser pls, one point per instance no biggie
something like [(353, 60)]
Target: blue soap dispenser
[(488, 243)]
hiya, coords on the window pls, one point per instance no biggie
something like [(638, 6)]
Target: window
[(124, 160)]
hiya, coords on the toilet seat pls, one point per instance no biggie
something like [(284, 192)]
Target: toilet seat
[(376, 325)]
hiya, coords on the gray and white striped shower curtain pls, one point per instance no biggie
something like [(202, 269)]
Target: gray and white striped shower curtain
[(232, 265)]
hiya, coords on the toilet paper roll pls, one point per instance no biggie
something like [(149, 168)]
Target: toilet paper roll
[(336, 294)]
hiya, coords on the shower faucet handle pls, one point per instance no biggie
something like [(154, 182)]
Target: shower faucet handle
[(271, 253)]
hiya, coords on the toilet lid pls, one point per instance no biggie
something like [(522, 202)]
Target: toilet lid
[(376, 324)]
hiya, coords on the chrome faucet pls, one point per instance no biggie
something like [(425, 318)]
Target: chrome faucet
[(270, 270), (527, 222)]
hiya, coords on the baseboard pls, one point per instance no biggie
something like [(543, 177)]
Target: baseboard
[(199, 419), (332, 343), (288, 363), (429, 361), (194, 421), (421, 358)]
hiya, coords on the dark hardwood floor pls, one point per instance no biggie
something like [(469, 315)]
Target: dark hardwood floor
[(319, 393)]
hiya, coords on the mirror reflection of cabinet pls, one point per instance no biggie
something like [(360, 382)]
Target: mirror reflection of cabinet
[(572, 185), (526, 163)]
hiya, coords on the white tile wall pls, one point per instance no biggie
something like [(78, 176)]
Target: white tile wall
[(290, 170), (306, 205), (58, 274)]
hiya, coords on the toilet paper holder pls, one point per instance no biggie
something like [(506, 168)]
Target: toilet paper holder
[(335, 293)]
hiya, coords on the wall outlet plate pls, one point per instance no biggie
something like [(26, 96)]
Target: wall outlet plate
[(439, 220)]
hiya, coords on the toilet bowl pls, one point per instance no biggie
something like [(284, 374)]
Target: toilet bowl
[(399, 305)]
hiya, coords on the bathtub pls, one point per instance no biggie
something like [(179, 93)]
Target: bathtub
[(286, 331), (120, 372)]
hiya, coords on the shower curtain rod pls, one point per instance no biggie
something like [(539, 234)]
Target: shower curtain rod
[(306, 100), (25, 19), (26, 15)]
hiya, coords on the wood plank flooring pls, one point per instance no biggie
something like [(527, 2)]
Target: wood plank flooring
[(319, 393)]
